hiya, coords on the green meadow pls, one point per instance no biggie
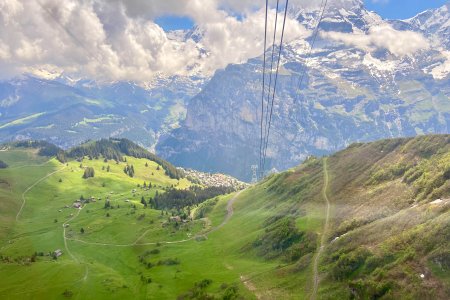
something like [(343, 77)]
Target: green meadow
[(104, 260), (387, 234)]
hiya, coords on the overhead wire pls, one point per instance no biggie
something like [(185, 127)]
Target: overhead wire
[(274, 87), (265, 132), (263, 85), (270, 76)]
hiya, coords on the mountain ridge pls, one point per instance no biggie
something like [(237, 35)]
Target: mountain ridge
[(373, 91), (349, 94)]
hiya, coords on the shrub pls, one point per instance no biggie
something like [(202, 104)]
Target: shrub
[(282, 238), (3, 165), (442, 260), (388, 173), (349, 263), (369, 289)]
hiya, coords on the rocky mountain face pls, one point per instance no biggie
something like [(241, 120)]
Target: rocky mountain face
[(356, 88), (68, 113)]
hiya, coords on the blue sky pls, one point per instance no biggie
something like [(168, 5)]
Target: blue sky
[(402, 9), (389, 9), (174, 23)]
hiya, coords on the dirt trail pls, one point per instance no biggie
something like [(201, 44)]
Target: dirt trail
[(31, 187), (316, 277)]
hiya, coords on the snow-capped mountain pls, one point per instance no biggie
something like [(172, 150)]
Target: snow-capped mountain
[(360, 85), (367, 78)]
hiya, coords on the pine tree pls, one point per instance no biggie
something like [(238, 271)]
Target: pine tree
[(88, 172)]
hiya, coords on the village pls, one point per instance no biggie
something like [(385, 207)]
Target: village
[(216, 179)]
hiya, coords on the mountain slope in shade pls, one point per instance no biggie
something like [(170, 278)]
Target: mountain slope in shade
[(348, 94)]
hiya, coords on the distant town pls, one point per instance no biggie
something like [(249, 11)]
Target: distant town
[(217, 179)]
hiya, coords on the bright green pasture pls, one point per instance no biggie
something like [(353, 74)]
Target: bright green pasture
[(103, 262)]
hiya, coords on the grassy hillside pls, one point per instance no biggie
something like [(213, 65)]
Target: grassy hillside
[(388, 231), (106, 251), (370, 222)]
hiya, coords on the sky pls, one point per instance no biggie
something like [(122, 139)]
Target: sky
[(388, 9), (402, 9), (111, 40)]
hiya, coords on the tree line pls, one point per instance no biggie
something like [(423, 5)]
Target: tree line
[(115, 149), (178, 199), (110, 149)]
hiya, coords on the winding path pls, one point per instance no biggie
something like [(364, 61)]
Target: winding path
[(316, 278), (31, 187), (86, 272)]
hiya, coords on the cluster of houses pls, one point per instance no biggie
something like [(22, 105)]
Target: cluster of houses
[(80, 202), (217, 179)]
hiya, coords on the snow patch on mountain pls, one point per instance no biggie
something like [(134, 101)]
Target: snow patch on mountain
[(442, 70), (384, 66)]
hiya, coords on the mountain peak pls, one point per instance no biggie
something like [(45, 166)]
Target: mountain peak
[(331, 4)]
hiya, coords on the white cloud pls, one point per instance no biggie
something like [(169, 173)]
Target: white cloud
[(399, 43), (118, 40)]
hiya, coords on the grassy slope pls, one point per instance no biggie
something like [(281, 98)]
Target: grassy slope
[(380, 196), (384, 232), (36, 229)]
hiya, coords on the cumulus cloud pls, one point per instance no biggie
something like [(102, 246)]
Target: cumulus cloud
[(383, 36), (119, 40)]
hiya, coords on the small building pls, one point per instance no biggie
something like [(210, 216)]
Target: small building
[(57, 253)]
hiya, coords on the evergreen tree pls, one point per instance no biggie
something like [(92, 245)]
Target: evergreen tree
[(88, 172), (107, 204)]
